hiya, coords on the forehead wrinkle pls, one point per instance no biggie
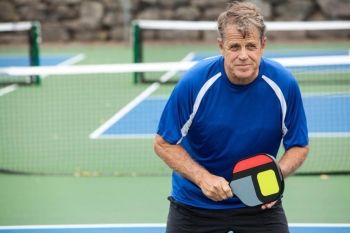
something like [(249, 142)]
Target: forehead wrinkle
[(232, 32)]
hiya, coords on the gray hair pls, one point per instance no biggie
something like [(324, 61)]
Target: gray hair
[(243, 15)]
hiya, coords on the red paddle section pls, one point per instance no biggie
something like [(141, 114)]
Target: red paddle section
[(254, 161)]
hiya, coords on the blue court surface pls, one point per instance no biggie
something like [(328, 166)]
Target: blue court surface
[(45, 60), (155, 228), (326, 115)]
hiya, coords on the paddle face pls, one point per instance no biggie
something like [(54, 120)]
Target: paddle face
[(257, 180)]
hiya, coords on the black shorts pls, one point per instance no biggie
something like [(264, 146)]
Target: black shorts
[(187, 219)]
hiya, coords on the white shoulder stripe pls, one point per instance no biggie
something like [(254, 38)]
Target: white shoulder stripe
[(282, 100), (197, 102)]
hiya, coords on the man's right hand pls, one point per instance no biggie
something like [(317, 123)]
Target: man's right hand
[(215, 188)]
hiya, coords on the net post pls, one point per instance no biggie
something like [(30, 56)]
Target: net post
[(34, 48), (137, 48)]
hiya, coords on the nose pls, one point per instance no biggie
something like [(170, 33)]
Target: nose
[(243, 54)]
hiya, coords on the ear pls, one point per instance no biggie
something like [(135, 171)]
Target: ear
[(263, 42), (220, 43)]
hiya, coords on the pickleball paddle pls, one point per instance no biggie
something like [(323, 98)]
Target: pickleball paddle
[(257, 180)]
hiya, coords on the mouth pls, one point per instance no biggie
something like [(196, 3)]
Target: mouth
[(243, 65)]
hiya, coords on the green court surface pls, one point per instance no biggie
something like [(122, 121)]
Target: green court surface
[(38, 200), (44, 131)]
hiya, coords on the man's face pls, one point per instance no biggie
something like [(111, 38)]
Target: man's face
[(242, 55)]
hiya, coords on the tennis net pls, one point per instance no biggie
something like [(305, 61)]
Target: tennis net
[(144, 32), (91, 120), (27, 34), (22, 48)]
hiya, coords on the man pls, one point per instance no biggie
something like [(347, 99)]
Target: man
[(224, 109)]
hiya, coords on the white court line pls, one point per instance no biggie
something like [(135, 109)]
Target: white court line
[(121, 113), (146, 136), (154, 225), (85, 226), (10, 88), (127, 136), (325, 225), (73, 60), (70, 61), (96, 134), (330, 135), (141, 97), (318, 94)]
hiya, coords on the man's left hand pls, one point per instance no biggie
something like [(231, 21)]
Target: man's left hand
[(268, 205)]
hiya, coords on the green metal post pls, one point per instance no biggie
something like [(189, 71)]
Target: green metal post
[(34, 47), (137, 48)]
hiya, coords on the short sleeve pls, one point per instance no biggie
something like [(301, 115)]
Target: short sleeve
[(295, 122), (176, 112)]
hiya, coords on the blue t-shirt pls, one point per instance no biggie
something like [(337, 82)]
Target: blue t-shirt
[(219, 123)]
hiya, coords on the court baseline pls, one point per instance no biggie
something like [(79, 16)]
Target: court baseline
[(154, 228)]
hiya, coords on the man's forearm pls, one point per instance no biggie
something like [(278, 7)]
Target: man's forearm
[(176, 157), (179, 160), (292, 159)]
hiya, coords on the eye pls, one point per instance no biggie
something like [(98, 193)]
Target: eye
[(251, 46), (234, 47)]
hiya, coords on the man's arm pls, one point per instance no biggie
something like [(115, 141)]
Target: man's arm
[(176, 157), (292, 159)]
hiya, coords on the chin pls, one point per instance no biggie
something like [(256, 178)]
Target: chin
[(245, 76), (245, 79)]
